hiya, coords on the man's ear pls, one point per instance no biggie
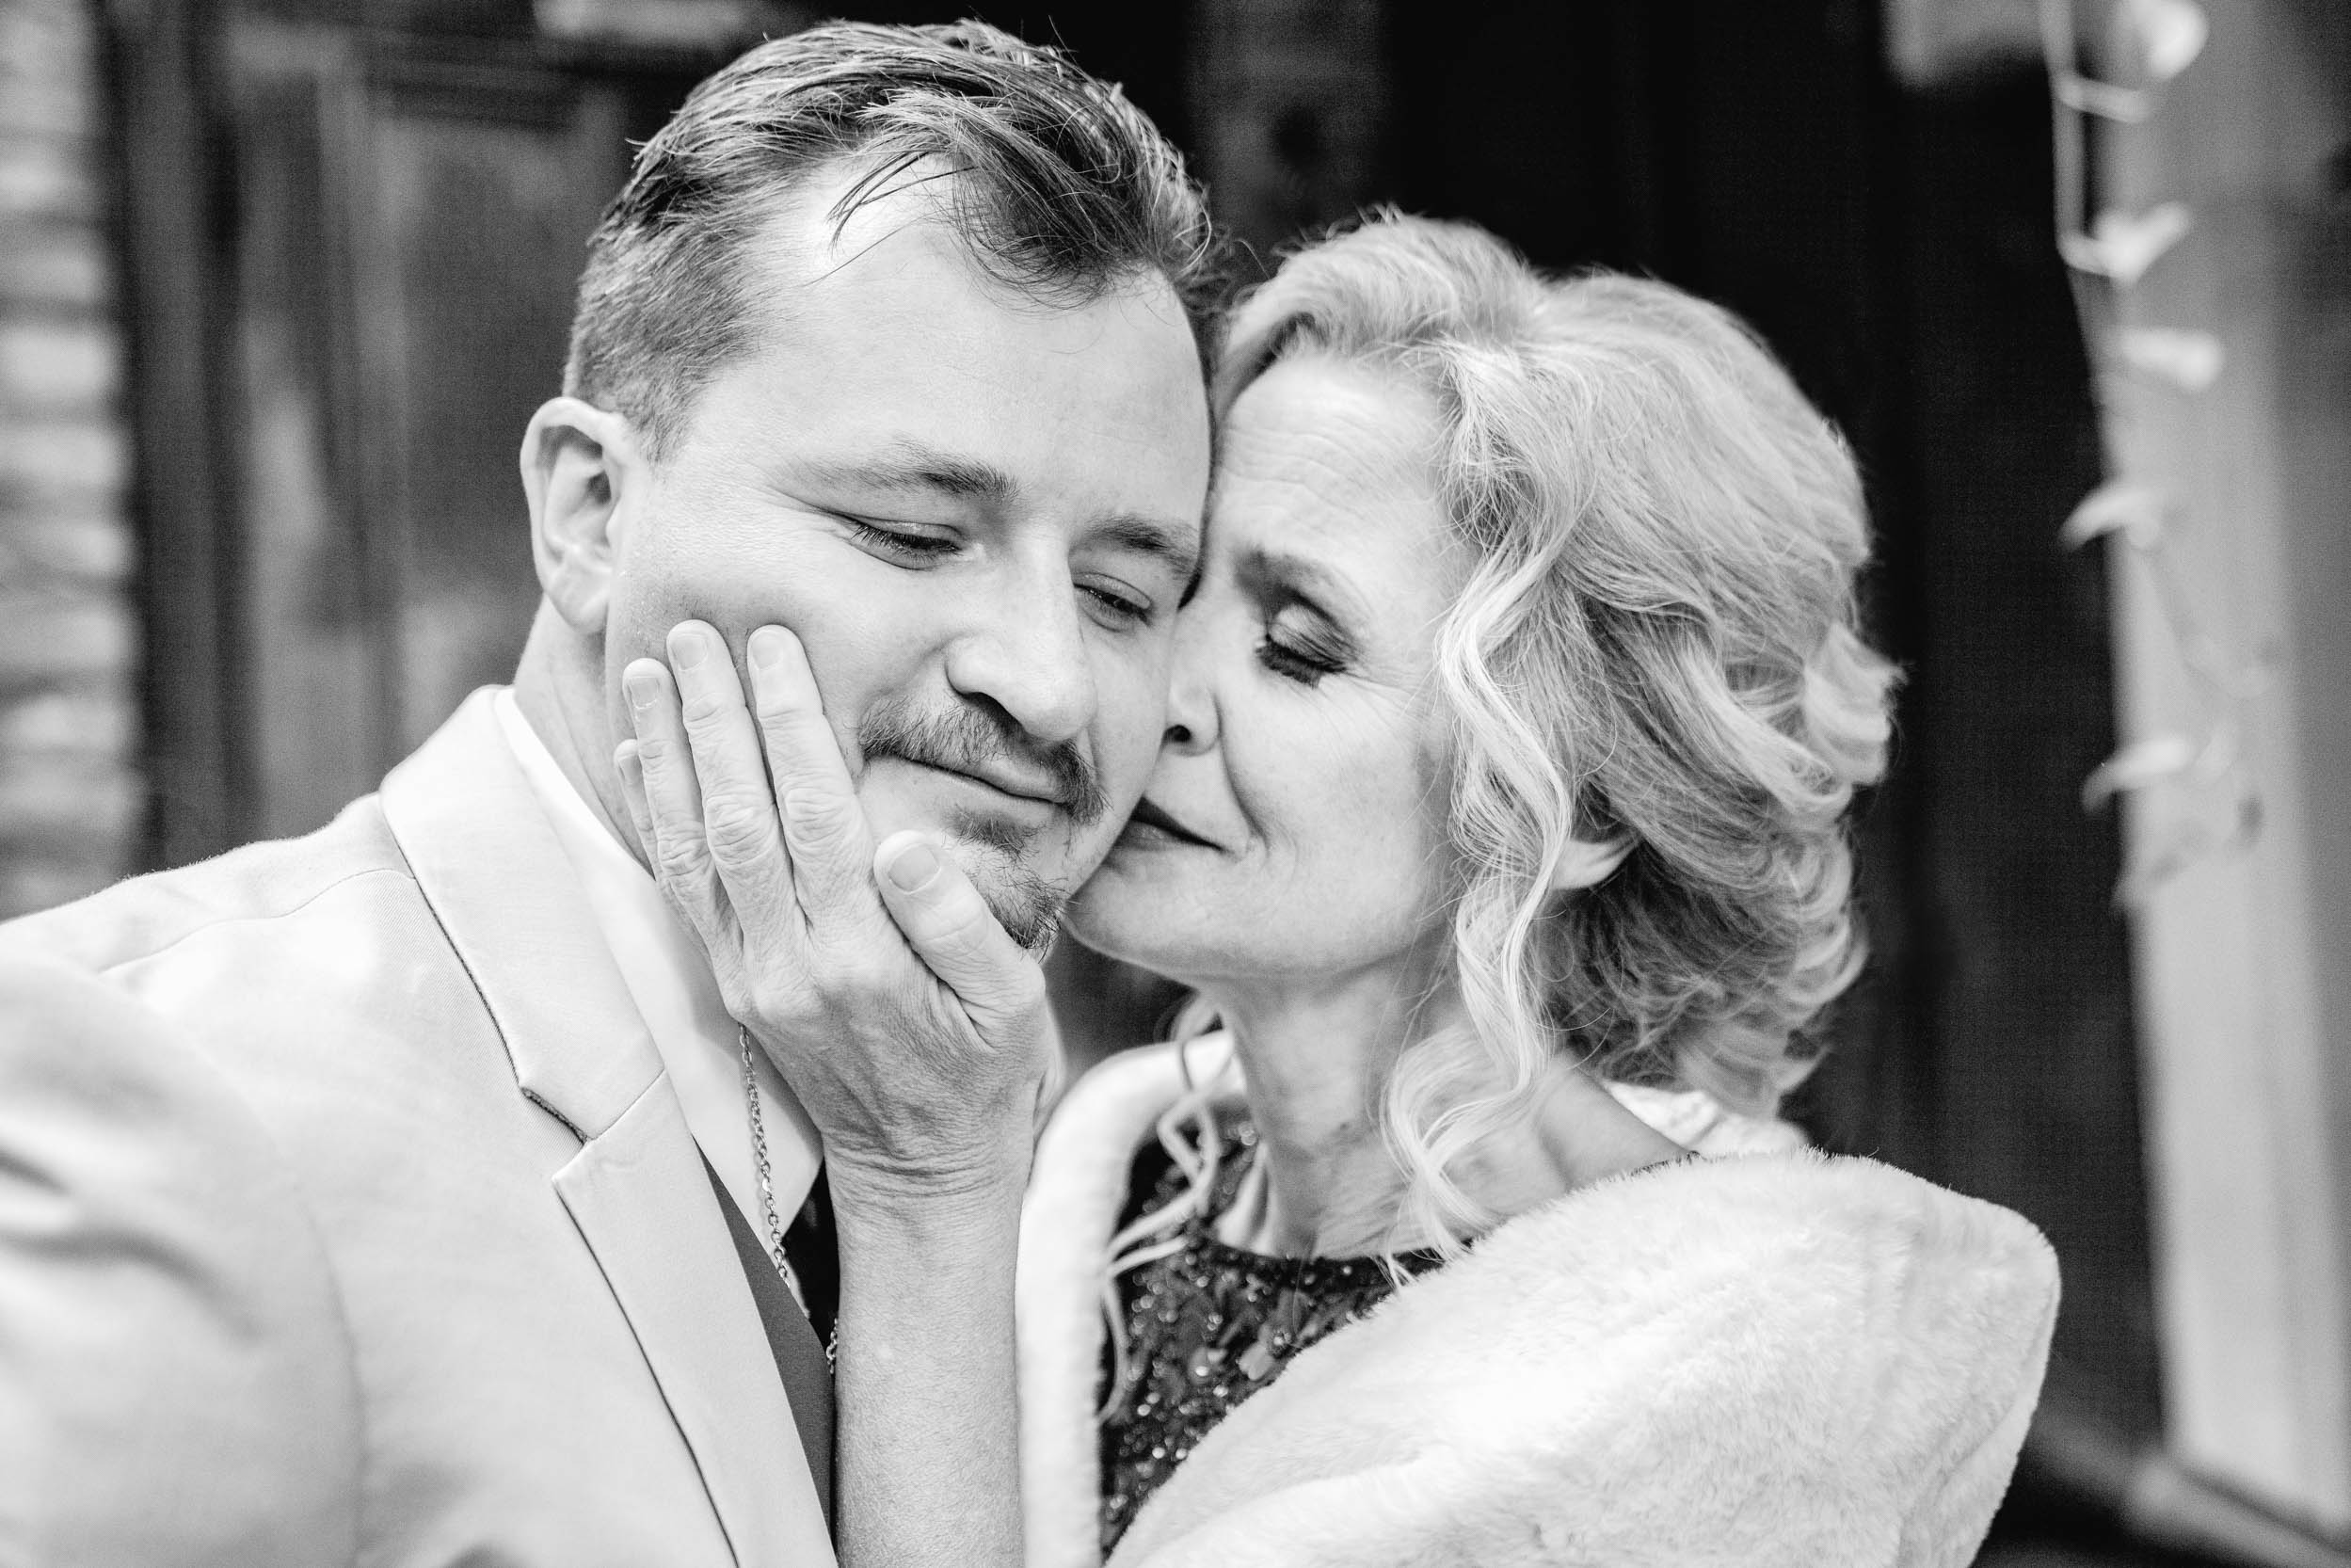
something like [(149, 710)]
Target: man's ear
[(1588, 862), (581, 467)]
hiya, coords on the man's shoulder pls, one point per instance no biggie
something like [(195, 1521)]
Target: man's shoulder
[(305, 970), (257, 885), (170, 1311)]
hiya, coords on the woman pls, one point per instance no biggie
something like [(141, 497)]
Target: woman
[(1515, 718), (1498, 828)]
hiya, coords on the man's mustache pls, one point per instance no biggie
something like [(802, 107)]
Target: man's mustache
[(968, 739)]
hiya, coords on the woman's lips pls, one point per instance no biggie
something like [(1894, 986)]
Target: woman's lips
[(1150, 825)]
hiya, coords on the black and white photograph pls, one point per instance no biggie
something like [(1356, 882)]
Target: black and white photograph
[(1174, 784)]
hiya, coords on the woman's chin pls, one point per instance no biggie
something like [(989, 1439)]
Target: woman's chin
[(1127, 917)]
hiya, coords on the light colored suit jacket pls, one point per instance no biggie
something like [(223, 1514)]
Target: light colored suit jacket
[(1766, 1360), (347, 1217)]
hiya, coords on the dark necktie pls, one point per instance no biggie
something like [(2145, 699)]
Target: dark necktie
[(797, 1345)]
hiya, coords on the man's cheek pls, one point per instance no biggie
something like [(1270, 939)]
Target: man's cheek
[(649, 598), (1128, 744)]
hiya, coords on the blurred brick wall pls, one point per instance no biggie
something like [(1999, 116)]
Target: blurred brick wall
[(70, 792)]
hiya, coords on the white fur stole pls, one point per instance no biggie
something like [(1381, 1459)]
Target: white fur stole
[(1775, 1359)]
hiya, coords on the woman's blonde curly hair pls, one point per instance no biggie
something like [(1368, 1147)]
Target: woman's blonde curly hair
[(1656, 642)]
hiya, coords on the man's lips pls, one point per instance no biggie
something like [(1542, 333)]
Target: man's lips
[(1037, 791), (1147, 815)]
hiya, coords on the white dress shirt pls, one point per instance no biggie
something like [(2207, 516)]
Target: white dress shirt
[(676, 994)]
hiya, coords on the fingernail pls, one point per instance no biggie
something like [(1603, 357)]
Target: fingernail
[(687, 649), (767, 648), (627, 763), (914, 867), (640, 686)]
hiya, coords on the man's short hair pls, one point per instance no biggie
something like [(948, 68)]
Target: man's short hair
[(1058, 187)]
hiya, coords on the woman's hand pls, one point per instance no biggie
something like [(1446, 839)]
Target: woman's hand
[(911, 1027)]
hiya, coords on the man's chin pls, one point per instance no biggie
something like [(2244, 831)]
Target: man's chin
[(994, 852), (1026, 905)]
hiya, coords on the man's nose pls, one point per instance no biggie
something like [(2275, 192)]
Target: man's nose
[(1025, 651)]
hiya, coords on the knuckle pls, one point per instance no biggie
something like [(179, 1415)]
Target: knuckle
[(963, 929), (737, 828), (770, 1003), (851, 962), (865, 977), (679, 859), (1013, 1001), (817, 818), (702, 710), (798, 741), (782, 714)]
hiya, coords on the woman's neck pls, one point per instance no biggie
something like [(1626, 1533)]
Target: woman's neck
[(1316, 1058)]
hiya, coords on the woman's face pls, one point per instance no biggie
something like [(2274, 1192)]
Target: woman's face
[(1294, 825)]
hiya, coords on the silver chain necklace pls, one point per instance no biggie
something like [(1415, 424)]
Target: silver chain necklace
[(767, 1196), (767, 1181)]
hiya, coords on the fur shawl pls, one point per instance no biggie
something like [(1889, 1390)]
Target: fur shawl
[(1775, 1359)]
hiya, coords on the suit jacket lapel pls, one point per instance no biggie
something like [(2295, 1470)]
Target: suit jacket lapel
[(504, 891), (630, 1190)]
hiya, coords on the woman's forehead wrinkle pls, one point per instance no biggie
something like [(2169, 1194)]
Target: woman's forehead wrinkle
[(1265, 569)]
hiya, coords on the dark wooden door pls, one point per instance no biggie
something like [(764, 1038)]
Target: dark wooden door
[(362, 275)]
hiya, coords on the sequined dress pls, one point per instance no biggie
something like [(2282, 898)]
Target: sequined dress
[(1209, 1325)]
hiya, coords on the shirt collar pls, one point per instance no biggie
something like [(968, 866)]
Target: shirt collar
[(675, 993)]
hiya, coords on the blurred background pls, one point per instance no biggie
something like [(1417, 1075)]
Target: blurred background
[(280, 282)]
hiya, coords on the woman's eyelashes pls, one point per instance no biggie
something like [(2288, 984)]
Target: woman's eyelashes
[(1296, 649)]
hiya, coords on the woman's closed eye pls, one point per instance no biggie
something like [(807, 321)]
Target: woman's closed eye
[(1296, 649)]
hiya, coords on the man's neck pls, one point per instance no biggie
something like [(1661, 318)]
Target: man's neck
[(559, 687)]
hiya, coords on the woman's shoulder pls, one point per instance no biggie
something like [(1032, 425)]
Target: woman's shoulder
[(1699, 1122)]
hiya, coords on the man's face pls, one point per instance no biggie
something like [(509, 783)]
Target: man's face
[(977, 513)]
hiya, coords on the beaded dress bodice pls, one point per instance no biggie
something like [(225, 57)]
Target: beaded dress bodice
[(1211, 1325)]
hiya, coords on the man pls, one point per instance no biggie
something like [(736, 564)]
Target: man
[(406, 1193)]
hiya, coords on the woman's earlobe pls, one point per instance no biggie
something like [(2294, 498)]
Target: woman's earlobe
[(578, 462)]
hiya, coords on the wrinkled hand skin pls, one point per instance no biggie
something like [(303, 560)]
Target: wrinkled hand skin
[(911, 1027), (912, 1030)]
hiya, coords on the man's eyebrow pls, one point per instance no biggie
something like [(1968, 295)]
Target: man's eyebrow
[(1179, 546), (906, 464)]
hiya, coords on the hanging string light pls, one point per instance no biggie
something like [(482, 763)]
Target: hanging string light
[(2106, 251)]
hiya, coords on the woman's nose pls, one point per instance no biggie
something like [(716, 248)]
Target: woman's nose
[(1191, 711)]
